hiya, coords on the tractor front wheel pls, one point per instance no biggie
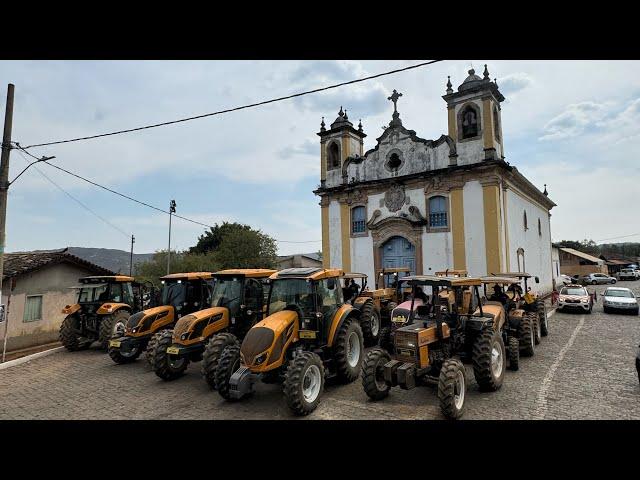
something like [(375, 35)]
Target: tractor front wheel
[(489, 362), (527, 335), (228, 364), (68, 336), (112, 325), (514, 353), (121, 357), (165, 365), (348, 350), (304, 383), (370, 323), (373, 374), (537, 331), (151, 347), (212, 353), (452, 387), (542, 314)]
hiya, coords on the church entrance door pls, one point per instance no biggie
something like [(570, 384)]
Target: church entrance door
[(399, 252)]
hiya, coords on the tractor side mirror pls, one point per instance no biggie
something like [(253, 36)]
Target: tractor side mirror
[(537, 279), (331, 283)]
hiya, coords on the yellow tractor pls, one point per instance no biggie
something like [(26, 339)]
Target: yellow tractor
[(450, 328), (182, 294), (309, 333), (103, 307), (529, 301), (236, 305)]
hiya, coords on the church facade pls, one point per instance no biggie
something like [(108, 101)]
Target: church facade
[(430, 205)]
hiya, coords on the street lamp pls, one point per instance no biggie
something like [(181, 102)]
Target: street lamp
[(172, 209)]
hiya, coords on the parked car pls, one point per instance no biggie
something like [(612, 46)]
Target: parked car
[(628, 274), (598, 278), (620, 298), (575, 297), (565, 279)]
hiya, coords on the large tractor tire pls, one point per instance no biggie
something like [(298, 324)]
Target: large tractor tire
[(537, 328), (212, 353), (385, 339), (121, 357), (542, 315), (348, 351), (373, 374), (370, 323), (68, 336), (228, 364), (111, 325), (452, 387), (164, 364), (150, 351), (304, 382), (527, 335), (514, 354), (489, 360)]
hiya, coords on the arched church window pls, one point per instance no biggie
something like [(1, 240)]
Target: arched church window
[(539, 227), (524, 221), (470, 122), (333, 156), (496, 123), (358, 220), (438, 212)]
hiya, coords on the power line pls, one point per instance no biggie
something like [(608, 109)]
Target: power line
[(21, 149), (75, 199), (235, 109), (622, 236)]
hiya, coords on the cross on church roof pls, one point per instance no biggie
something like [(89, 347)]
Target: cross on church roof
[(394, 98)]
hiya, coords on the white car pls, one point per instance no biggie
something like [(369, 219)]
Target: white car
[(620, 298), (628, 274), (565, 279)]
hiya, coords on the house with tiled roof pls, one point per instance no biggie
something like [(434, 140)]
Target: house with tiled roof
[(35, 287)]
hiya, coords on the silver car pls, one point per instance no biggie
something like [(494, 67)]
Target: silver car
[(619, 298), (597, 278)]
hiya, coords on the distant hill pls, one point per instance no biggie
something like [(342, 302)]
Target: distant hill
[(110, 258)]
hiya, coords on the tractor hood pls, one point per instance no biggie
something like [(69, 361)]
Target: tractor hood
[(264, 345), (141, 322), (200, 325)]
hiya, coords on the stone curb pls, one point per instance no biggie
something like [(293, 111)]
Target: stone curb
[(28, 358)]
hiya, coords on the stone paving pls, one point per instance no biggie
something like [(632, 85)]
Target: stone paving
[(584, 369)]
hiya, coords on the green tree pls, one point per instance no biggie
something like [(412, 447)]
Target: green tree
[(211, 240), (242, 248), (180, 262)]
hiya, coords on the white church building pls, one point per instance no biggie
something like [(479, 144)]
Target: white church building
[(430, 205)]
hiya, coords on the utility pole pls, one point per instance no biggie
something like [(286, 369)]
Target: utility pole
[(172, 209), (4, 188), (133, 240)]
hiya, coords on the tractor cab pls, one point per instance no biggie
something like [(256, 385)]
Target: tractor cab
[(103, 305), (388, 277), (529, 301), (358, 280), (522, 280), (502, 290)]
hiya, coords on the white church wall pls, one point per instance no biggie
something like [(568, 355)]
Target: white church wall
[(437, 252), (474, 241), (335, 246), (416, 199), (537, 248), (362, 257)]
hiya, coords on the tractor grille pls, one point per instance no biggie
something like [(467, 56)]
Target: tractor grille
[(406, 346)]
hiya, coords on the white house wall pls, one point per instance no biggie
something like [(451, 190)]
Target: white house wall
[(437, 252), (362, 256), (335, 247), (474, 241)]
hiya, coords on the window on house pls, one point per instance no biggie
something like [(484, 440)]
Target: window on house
[(496, 123), (524, 221), (539, 228), (358, 220), (438, 212), (333, 156), (33, 308), (469, 120)]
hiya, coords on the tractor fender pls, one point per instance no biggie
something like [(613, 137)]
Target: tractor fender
[(71, 309), (345, 312), (498, 314), (272, 336), (214, 319), (150, 320), (109, 308), (515, 317), (360, 302)]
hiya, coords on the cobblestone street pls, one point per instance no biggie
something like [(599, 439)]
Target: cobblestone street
[(584, 369)]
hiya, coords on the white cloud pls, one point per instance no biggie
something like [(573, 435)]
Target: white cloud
[(574, 120), (514, 82)]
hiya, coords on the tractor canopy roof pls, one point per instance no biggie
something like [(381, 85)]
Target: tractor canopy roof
[(106, 279), (394, 270), (436, 281), (188, 276), (514, 274), (497, 279), (247, 272), (355, 275), (310, 273), (452, 273)]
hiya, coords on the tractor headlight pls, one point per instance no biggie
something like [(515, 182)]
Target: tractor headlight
[(184, 336), (260, 359)]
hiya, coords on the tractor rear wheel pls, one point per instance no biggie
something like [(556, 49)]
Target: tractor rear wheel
[(348, 350), (370, 323), (165, 365), (452, 387), (527, 336), (489, 360), (514, 353), (537, 330), (111, 325), (304, 383), (212, 353), (373, 374), (151, 347), (228, 364), (68, 336), (542, 314)]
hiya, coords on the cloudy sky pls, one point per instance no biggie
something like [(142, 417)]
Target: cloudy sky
[(571, 125)]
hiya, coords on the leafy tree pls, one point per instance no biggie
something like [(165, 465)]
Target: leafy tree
[(240, 248), (180, 262), (212, 239)]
